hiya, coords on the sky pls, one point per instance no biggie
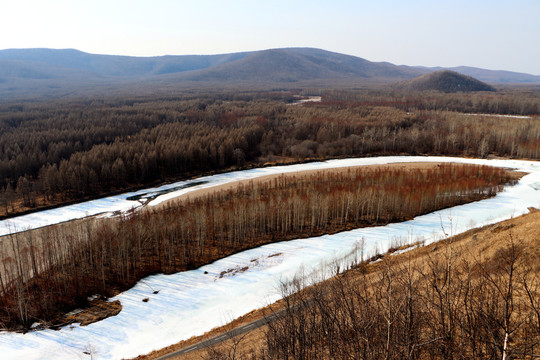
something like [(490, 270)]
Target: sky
[(494, 34)]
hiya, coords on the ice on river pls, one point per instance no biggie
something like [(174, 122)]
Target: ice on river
[(193, 302)]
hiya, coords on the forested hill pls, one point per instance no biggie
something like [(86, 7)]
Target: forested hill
[(293, 65), (51, 61), (27, 73), (445, 81)]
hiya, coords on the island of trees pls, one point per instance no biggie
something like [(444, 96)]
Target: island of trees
[(48, 271)]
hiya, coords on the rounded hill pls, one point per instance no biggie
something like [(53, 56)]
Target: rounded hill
[(445, 81)]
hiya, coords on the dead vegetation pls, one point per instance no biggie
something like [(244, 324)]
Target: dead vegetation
[(99, 309)]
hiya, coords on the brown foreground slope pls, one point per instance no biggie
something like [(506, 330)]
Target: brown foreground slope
[(483, 247)]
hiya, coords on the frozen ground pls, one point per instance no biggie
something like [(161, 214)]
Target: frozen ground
[(191, 303)]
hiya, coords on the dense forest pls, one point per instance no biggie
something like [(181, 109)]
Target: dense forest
[(62, 151), (47, 272), (517, 102)]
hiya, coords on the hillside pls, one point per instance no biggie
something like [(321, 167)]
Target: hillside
[(292, 64), (445, 81), (50, 61), (28, 73), (494, 76), (300, 64)]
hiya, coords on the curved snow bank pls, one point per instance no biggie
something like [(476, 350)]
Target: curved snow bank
[(193, 302)]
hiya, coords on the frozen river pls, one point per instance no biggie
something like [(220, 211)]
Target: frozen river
[(193, 302)]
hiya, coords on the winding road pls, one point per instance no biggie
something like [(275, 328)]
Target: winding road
[(224, 336)]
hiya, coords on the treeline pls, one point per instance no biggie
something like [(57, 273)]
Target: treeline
[(441, 306), (49, 271), (333, 130), (49, 156), (509, 102), (59, 152)]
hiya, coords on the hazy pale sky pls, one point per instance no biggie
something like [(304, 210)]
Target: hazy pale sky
[(492, 34)]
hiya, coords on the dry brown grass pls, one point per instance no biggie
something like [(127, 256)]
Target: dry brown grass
[(99, 309)]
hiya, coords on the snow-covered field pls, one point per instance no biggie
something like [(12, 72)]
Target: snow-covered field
[(193, 302)]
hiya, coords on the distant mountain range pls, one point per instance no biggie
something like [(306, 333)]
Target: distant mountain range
[(48, 72)]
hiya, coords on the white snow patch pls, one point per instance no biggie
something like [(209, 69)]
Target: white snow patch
[(535, 186)]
